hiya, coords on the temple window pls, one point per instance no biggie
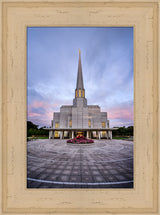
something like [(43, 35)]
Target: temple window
[(83, 93), (76, 94), (89, 123), (103, 124), (70, 123), (103, 133), (56, 125), (79, 92), (56, 134)]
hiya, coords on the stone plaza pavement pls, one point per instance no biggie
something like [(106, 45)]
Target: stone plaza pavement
[(58, 164)]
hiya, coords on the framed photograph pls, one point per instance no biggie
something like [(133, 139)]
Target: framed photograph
[(77, 166)]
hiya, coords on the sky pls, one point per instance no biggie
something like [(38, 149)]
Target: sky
[(107, 66)]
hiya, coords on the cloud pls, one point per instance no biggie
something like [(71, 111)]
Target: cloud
[(41, 113), (121, 114)]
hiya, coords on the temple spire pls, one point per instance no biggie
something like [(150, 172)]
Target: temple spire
[(79, 99), (80, 76)]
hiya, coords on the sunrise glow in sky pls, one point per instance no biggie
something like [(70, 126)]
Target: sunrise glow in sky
[(107, 66)]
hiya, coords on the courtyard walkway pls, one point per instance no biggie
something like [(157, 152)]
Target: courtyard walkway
[(58, 164)]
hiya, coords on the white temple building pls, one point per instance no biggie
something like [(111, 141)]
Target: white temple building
[(80, 118)]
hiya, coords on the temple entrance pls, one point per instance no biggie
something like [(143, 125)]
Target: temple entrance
[(79, 133)]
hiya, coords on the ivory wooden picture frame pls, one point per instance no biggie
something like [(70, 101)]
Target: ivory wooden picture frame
[(16, 17)]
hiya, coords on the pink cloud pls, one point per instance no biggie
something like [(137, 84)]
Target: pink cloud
[(30, 114), (122, 111), (41, 112), (43, 104)]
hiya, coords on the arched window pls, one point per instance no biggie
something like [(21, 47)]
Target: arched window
[(103, 124), (56, 125), (70, 123), (83, 93), (76, 94), (89, 123), (79, 92)]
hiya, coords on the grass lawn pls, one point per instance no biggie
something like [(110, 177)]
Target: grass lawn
[(43, 137), (123, 138), (34, 138)]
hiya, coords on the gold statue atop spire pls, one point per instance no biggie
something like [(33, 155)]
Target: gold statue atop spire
[(79, 51)]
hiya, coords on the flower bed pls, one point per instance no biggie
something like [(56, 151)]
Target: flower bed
[(80, 140)]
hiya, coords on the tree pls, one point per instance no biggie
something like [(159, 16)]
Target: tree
[(31, 125), (123, 131), (33, 129)]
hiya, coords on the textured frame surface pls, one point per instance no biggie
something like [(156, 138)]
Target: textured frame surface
[(143, 16)]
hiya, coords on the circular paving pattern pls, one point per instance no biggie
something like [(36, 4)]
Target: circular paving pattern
[(58, 164)]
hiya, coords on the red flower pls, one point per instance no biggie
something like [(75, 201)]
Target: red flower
[(80, 139)]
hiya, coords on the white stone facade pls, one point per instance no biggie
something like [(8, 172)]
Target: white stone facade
[(81, 117)]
